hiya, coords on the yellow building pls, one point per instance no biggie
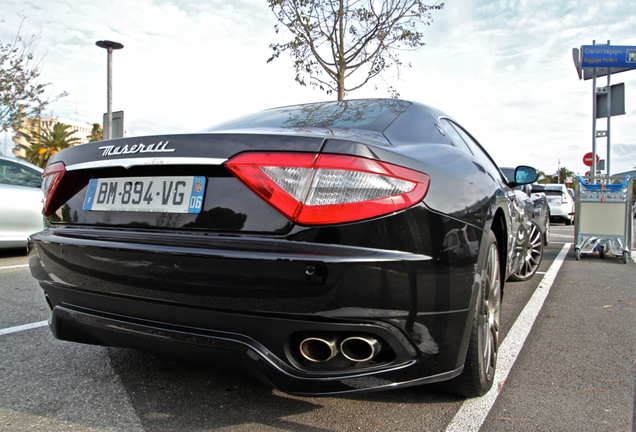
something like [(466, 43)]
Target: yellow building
[(24, 135)]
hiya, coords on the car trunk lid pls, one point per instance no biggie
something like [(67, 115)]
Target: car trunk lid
[(130, 175)]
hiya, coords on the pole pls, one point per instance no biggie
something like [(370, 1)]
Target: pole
[(609, 116), (593, 167), (109, 46), (109, 93)]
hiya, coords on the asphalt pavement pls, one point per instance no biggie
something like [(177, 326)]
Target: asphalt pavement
[(582, 348), (574, 372)]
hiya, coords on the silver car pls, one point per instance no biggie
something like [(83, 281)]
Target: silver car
[(21, 198)]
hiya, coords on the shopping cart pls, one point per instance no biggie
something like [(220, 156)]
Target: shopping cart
[(603, 216)]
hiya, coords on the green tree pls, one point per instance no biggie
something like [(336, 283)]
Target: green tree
[(337, 41), (97, 134), (51, 142), (562, 174), (19, 75), (543, 178)]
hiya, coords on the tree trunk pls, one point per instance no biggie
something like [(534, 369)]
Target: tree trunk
[(342, 66)]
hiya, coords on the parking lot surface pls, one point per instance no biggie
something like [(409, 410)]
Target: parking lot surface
[(573, 372)]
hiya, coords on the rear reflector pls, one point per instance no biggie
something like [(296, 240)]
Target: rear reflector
[(315, 189)]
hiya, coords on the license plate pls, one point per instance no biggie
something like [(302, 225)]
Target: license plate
[(146, 194)]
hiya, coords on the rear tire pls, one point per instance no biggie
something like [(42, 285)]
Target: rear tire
[(481, 359)]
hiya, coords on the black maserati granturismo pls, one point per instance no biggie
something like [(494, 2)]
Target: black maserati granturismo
[(324, 248)]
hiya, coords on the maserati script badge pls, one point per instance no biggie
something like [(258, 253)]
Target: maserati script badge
[(111, 150)]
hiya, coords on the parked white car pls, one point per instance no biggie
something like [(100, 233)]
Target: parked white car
[(561, 203), (21, 198)]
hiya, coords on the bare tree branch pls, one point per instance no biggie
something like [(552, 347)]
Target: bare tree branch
[(19, 75), (347, 39)]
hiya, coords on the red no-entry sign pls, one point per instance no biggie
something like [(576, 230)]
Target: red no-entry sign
[(587, 159)]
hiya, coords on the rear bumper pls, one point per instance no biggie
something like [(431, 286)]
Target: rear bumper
[(239, 350), (561, 212), (248, 302)]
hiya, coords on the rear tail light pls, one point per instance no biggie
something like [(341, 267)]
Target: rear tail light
[(58, 186), (314, 189)]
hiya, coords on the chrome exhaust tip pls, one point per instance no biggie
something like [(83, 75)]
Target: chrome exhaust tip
[(360, 348), (318, 349)]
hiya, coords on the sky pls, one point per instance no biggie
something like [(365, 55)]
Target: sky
[(503, 69)]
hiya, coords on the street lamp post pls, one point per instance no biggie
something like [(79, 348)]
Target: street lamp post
[(110, 46)]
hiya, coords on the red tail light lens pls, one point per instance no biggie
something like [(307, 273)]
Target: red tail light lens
[(315, 189), (50, 180), (59, 185)]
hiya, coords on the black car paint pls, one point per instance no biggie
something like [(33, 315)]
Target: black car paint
[(138, 279)]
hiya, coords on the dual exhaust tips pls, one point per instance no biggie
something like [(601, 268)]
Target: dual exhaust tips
[(354, 348)]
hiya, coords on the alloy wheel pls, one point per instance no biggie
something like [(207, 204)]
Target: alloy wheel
[(533, 255), (491, 312)]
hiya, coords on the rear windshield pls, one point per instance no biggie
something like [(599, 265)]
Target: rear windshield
[(373, 115), (554, 192)]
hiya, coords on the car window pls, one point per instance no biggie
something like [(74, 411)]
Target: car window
[(509, 173), (554, 192), (15, 174), (456, 139), (480, 154)]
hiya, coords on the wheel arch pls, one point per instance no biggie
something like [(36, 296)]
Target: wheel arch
[(499, 229)]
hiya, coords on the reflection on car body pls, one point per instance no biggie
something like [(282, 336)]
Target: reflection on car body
[(533, 199), (460, 245), (314, 251), (21, 197)]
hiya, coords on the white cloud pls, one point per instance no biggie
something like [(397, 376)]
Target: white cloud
[(502, 68), (505, 70)]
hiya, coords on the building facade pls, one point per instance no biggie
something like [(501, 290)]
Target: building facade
[(25, 134)]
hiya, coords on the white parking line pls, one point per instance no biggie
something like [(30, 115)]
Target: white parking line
[(15, 266), (23, 327), (473, 412)]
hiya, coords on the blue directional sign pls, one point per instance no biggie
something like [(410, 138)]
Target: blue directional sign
[(608, 56)]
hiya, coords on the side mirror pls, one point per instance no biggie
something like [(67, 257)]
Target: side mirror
[(525, 175)]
